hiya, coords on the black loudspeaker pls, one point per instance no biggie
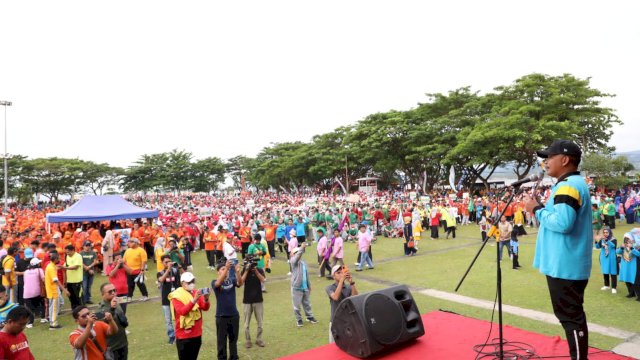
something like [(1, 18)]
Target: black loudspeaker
[(370, 323)]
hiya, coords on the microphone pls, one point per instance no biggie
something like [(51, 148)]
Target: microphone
[(532, 178)]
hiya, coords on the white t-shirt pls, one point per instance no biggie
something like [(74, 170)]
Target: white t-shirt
[(229, 251)]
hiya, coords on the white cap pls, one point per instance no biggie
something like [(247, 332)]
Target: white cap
[(35, 262), (187, 277)]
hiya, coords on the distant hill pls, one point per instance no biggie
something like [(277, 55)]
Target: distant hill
[(633, 157)]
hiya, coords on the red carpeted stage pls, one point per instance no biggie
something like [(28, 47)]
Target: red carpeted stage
[(451, 336)]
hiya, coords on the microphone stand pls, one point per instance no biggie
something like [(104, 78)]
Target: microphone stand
[(516, 190)]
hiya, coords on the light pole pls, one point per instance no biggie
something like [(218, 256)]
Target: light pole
[(6, 184)]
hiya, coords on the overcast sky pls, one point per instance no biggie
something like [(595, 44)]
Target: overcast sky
[(110, 81)]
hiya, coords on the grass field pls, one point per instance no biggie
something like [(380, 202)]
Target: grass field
[(440, 265)]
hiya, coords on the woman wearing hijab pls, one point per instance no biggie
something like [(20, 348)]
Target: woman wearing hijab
[(108, 245), (608, 262)]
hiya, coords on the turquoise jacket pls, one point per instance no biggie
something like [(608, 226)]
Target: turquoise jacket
[(564, 247)]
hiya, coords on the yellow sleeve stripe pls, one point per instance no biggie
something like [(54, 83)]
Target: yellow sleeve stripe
[(570, 192)]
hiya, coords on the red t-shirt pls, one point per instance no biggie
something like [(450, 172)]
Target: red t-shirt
[(180, 310), (119, 280), (14, 347)]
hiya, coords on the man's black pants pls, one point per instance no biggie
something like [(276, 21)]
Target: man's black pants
[(227, 327), (211, 257), (567, 297), (74, 294), (188, 349), (131, 283)]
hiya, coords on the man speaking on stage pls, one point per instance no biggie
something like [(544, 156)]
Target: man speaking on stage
[(563, 247)]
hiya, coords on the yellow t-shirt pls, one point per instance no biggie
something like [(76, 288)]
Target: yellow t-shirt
[(135, 257), (50, 279), (74, 276), (9, 264), (159, 265)]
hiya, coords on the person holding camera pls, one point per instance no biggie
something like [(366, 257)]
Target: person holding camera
[(258, 250), (227, 315), (187, 304), (176, 254), (117, 272), (253, 278), (169, 281), (342, 288), (89, 339), (118, 343)]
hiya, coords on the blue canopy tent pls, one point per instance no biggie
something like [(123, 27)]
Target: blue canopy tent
[(97, 208)]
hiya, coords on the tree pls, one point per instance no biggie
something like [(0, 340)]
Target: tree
[(100, 176), (237, 168), (206, 174), (606, 170), (54, 176)]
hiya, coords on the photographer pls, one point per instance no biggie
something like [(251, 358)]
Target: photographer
[(90, 338), (176, 254), (253, 278), (168, 280), (339, 291), (188, 304), (117, 272), (118, 343), (258, 251)]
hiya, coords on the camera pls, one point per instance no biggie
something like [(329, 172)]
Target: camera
[(205, 291), (99, 315), (250, 262)]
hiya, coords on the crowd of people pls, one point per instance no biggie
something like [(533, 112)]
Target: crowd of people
[(241, 235)]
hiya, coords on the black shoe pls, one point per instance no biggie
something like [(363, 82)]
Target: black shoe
[(630, 295), (314, 321), (51, 327)]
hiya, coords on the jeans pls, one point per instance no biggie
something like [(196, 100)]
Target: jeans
[(364, 258), (501, 244), (171, 332), (300, 297), (258, 310), (87, 283)]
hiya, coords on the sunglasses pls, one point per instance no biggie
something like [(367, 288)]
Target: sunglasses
[(112, 291)]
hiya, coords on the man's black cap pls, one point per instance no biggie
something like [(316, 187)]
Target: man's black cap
[(565, 147)]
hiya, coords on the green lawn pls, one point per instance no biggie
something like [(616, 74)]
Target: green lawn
[(440, 265)]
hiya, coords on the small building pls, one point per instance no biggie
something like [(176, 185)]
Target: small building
[(368, 184)]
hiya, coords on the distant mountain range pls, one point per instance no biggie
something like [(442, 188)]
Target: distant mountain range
[(507, 172), (633, 157)]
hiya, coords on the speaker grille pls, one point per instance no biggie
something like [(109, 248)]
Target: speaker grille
[(384, 317)]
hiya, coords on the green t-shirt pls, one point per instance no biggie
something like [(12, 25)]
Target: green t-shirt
[(596, 219), (74, 276), (88, 257), (174, 256), (253, 249)]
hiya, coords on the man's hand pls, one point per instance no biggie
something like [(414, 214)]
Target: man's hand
[(66, 293), (107, 317), (197, 296), (114, 302)]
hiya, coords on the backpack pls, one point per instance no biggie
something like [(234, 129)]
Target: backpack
[(2, 262)]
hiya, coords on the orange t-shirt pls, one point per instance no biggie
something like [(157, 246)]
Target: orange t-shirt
[(270, 232), (90, 349), (210, 241), (245, 234)]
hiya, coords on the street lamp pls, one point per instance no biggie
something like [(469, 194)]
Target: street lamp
[(6, 184)]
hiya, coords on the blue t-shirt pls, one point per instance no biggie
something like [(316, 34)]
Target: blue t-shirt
[(225, 298), (564, 245)]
